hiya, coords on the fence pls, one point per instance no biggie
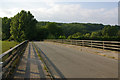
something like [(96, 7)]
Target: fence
[(108, 45), (10, 58)]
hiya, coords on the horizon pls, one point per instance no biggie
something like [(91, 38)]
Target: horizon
[(65, 12)]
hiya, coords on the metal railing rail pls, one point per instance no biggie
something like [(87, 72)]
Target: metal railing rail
[(10, 58), (108, 45)]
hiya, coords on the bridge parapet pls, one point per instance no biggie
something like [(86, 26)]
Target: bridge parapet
[(10, 59)]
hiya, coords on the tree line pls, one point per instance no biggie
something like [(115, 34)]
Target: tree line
[(23, 26)]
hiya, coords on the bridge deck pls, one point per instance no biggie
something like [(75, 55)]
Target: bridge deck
[(68, 62), (30, 65)]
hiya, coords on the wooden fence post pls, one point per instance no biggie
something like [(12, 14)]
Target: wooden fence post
[(103, 45), (71, 41), (91, 43), (76, 42), (82, 43)]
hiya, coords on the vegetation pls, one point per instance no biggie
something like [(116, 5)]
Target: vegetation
[(6, 45), (6, 28), (0, 28), (79, 31), (107, 33), (24, 26)]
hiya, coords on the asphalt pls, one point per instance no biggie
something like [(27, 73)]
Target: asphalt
[(79, 64)]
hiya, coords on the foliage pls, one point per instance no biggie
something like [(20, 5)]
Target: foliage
[(107, 33), (41, 33), (51, 36), (118, 34), (72, 28), (53, 29), (5, 28), (23, 26), (87, 35), (69, 37), (95, 35), (62, 37), (0, 28), (76, 35), (108, 29)]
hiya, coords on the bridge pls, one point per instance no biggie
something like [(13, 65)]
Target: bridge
[(51, 60)]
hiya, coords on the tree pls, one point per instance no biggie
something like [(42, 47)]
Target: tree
[(87, 35), (53, 29), (72, 28), (23, 26), (62, 37), (69, 37), (50, 36), (5, 28), (30, 26), (110, 31), (0, 28), (118, 34), (95, 35), (41, 33), (76, 35)]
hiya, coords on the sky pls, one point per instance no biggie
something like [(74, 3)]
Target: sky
[(66, 11)]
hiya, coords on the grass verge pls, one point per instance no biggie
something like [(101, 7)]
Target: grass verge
[(6, 45)]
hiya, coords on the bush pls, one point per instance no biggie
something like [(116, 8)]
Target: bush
[(62, 37), (50, 36)]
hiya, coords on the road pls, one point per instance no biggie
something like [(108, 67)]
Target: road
[(78, 64)]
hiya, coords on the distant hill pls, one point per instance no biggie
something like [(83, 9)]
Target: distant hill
[(71, 28)]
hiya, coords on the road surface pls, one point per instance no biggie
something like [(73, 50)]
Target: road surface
[(78, 64)]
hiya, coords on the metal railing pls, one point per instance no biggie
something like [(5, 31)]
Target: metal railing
[(108, 45), (10, 59)]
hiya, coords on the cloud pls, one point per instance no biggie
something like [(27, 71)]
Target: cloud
[(75, 13), (60, 0), (67, 13)]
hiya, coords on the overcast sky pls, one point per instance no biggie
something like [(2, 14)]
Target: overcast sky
[(89, 11)]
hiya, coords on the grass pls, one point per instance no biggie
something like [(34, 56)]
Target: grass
[(6, 45)]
